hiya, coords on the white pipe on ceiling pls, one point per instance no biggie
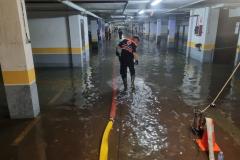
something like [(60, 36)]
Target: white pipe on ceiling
[(70, 4)]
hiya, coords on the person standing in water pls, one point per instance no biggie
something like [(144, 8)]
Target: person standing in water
[(128, 54), (120, 33), (110, 34)]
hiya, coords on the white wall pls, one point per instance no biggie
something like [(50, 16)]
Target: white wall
[(180, 30), (234, 12), (164, 29), (209, 22), (49, 32), (186, 30)]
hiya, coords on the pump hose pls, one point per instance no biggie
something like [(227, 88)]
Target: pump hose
[(222, 88)]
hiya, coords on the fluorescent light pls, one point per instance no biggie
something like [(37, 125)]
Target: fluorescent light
[(155, 2), (141, 12)]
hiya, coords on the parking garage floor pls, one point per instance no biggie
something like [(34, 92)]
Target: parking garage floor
[(153, 122)]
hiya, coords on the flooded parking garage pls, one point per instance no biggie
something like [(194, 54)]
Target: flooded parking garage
[(64, 96)]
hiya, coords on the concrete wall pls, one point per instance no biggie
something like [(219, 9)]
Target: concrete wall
[(209, 19), (181, 31), (164, 29), (57, 41), (50, 42), (186, 32), (234, 12)]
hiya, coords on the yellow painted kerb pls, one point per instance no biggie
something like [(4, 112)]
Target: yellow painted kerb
[(19, 77), (238, 49), (170, 39), (104, 145)]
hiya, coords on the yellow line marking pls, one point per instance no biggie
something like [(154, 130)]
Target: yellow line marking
[(56, 96), (104, 145), (25, 132)]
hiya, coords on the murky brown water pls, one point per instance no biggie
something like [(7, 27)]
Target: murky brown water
[(152, 122)]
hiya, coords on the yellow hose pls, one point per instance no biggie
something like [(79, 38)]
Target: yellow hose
[(104, 145)]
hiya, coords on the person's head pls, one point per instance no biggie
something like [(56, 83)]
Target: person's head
[(136, 38)]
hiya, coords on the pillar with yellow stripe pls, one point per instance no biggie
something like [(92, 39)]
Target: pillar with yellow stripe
[(17, 61), (158, 37), (76, 39), (171, 35), (146, 30), (151, 31), (237, 58), (94, 35)]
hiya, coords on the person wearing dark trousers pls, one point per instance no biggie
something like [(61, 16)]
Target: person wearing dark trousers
[(106, 34), (120, 33), (128, 54), (110, 34)]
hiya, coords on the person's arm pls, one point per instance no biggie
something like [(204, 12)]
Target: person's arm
[(117, 48), (135, 56)]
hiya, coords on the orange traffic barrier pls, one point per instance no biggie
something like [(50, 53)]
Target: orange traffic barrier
[(203, 143)]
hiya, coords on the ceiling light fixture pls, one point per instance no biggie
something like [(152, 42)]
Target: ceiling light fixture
[(155, 2), (141, 12)]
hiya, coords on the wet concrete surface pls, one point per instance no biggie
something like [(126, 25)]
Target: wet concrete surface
[(153, 122)]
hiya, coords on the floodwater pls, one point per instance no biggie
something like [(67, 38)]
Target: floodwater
[(152, 123)]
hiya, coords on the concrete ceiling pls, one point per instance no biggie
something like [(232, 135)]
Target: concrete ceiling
[(112, 10)]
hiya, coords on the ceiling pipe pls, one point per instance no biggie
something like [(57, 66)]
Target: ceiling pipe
[(185, 6), (70, 4), (125, 7)]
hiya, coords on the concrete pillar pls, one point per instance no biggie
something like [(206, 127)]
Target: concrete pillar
[(146, 30), (85, 20), (86, 33), (94, 28), (209, 19), (100, 30), (76, 40), (136, 29), (237, 58), (172, 30), (181, 32), (158, 37), (140, 29), (17, 61), (186, 32), (154, 30), (103, 30), (151, 31)]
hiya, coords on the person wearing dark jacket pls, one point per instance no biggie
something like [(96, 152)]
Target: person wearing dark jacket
[(128, 54), (110, 34), (120, 33)]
